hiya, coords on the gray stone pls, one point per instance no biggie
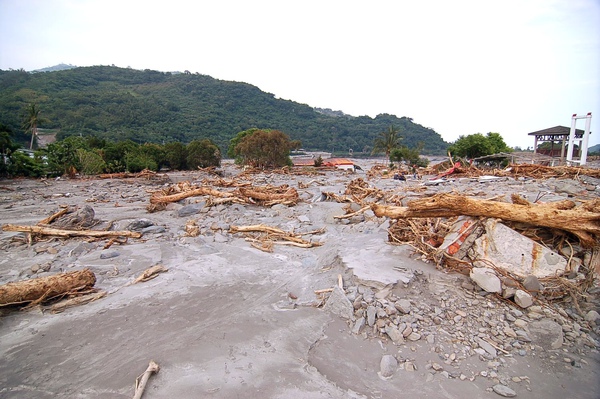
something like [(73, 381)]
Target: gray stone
[(523, 299), (532, 284), (220, 238), (387, 366), (139, 224), (503, 390), (339, 304), (153, 230), (486, 346), (394, 333), (190, 209), (109, 254), (486, 279), (546, 333), (592, 315), (371, 312), (403, 305), (413, 336), (358, 326)]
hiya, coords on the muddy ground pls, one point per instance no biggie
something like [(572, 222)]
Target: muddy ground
[(230, 321)]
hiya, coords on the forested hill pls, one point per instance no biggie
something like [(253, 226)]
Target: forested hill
[(151, 106)]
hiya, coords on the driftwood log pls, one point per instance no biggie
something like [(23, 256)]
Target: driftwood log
[(40, 289), (583, 221), (70, 233), (163, 199), (142, 380)]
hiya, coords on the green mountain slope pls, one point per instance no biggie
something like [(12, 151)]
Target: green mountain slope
[(151, 106)]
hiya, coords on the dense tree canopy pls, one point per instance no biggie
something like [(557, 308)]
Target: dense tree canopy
[(478, 145), (264, 149), (149, 106)]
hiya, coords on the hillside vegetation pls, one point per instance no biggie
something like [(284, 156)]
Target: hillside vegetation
[(150, 106)]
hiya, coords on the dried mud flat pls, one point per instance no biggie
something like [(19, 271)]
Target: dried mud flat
[(228, 320)]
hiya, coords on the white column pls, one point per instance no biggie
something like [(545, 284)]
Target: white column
[(586, 135), (571, 138)]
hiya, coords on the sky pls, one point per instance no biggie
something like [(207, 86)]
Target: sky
[(459, 67)]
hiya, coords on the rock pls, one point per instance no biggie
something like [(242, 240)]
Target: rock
[(339, 304), (395, 335), (387, 366), (523, 299), (413, 336), (358, 326), (82, 218), (592, 315), (139, 224), (532, 284), (486, 279), (153, 230), (109, 254), (403, 305), (371, 312), (486, 346), (190, 209), (503, 390), (546, 333)]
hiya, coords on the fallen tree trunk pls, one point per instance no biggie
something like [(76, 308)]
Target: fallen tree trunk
[(70, 233), (163, 199), (582, 221), (291, 194), (40, 289)]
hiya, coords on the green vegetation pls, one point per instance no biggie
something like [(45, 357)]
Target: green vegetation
[(262, 148), (387, 141), (411, 156), (478, 145), (116, 104)]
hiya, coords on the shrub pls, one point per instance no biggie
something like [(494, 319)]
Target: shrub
[(202, 154), (265, 149)]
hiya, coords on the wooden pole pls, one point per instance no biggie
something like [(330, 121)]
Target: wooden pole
[(141, 381)]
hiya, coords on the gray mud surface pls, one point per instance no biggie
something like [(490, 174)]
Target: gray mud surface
[(230, 321)]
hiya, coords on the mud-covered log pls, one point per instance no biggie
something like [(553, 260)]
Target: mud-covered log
[(582, 221), (40, 289), (70, 233)]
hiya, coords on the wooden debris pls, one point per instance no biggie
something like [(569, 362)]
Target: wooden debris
[(149, 274), (76, 301), (580, 221), (351, 214), (38, 290), (125, 175), (272, 235), (53, 217), (270, 195), (70, 233), (142, 380), (192, 229)]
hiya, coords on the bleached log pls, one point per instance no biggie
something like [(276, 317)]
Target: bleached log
[(583, 221), (70, 233), (163, 199), (40, 289)]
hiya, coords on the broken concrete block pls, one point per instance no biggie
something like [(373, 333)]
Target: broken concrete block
[(486, 279), (513, 252), (523, 299)]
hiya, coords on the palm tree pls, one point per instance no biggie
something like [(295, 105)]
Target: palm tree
[(32, 119), (387, 141)]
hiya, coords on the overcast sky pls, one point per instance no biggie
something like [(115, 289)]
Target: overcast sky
[(459, 67)]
